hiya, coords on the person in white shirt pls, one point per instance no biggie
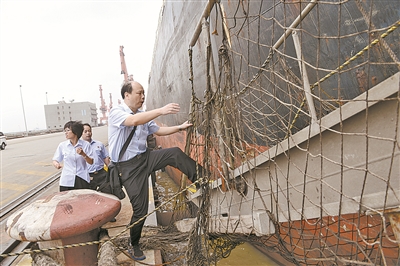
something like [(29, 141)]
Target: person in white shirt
[(75, 153), (138, 162), (96, 170)]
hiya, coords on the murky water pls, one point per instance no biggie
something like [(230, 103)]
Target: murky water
[(246, 254)]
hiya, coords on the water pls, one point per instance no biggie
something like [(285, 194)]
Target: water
[(246, 254)]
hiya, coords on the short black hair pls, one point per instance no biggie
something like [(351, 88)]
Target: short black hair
[(87, 124), (76, 127), (126, 87)]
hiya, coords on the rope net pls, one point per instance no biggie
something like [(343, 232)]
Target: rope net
[(295, 107)]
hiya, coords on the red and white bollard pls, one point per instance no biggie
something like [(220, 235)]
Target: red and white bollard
[(63, 218)]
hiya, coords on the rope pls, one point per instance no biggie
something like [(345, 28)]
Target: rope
[(303, 191), (337, 70), (26, 252), (259, 90)]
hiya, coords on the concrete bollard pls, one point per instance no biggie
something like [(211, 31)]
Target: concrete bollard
[(62, 218)]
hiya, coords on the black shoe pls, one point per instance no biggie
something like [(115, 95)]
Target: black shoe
[(135, 252)]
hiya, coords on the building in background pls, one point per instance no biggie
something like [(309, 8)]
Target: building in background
[(59, 114)]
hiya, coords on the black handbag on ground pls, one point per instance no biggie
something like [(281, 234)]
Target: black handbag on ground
[(113, 185)]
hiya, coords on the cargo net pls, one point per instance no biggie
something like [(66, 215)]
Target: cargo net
[(295, 107)]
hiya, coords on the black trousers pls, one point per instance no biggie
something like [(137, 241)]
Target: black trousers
[(97, 178), (135, 179), (153, 174)]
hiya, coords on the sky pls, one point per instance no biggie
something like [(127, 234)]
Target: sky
[(58, 50)]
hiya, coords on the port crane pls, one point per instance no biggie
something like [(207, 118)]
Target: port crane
[(111, 104), (103, 108), (124, 70)]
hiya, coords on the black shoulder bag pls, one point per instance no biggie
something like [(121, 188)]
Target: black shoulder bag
[(112, 185)]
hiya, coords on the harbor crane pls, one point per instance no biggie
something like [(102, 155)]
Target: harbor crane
[(124, 70), (103, 108)]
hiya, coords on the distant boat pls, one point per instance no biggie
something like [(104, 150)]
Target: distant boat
[(295, 107)]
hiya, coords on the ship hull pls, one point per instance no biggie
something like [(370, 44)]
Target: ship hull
[(295, 106)]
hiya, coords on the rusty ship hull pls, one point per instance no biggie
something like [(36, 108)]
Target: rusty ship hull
[(295, 107)]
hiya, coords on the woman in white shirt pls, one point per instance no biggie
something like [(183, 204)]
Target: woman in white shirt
[(75, 153)]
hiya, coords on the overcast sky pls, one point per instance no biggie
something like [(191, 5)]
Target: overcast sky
[(67, 49)]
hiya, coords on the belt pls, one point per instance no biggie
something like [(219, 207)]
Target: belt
[(97, 172), (137, 157)]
